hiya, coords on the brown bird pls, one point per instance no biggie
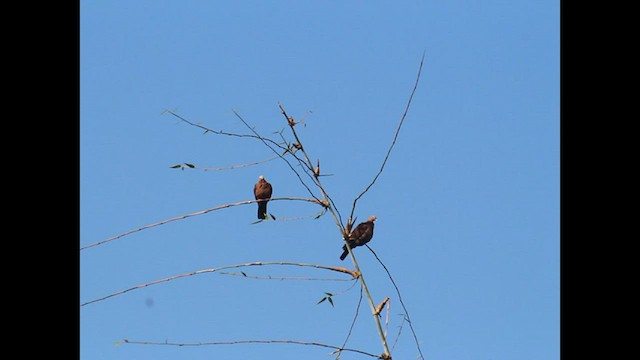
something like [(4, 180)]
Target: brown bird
[(359, 236), (262, 191)]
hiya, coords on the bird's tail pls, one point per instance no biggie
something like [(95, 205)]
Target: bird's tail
[(344, 253), (262, 209)]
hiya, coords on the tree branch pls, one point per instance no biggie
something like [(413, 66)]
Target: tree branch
[(190, 166), (406, 311), (211, 270), (242, 274), (201, 212), (316, 171), (255, 135), (395, 137), (235, 342), (281, 156)]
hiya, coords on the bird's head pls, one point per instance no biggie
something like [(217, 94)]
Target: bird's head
[(260, 177), (372, 218)]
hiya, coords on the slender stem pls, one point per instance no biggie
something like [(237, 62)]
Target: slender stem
[(264, 141), (355, 317), (194, 214), (383, 339), (332, 209), (395, 137), (406, 311), (210, 270), (234, 342)]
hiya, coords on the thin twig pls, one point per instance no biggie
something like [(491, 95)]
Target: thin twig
[(211, 270), (406, 311), (386, 321), (201, 212), (277, 153), (225, 167), (218, 132), (251, 136), (399, 332), (395, 137), (353, 322), (309, 165), (242, 274), (235, 342)]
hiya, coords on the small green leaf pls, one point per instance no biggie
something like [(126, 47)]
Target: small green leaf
[(330, 300), (321, 300), (328, 293), (176, 166), (243, 274), (190, 165)]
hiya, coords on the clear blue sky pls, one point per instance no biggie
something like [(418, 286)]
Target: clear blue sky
[(467, 207)]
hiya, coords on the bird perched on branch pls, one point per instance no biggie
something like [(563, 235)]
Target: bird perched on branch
[(262, 191), (359, 236)]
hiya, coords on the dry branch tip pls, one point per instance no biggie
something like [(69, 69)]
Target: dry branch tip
[(381, 306)]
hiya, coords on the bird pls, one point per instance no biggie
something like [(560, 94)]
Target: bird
[(361, 235), (262, 191)]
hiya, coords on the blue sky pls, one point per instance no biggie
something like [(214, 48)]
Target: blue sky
[(467, 207)]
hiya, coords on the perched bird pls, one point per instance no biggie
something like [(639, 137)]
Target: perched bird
[(359, 236), (262, 191)]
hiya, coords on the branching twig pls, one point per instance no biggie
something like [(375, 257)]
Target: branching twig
[(255, 135), (195, 214), (316, 171), (235, 342), (395, 137), (264, 141), (220, 132), (406, 311), (314, 174), (211, 270)]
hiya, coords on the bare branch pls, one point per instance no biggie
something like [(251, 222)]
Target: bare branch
[(217, 132), (292, 123), (399, 332), (316, 201), (211, 270), (353, 322), (406, 311), (395, 137), (316, 171), (224, 167), (235, 342), (242, 274), (255, 135), (277, 153)]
